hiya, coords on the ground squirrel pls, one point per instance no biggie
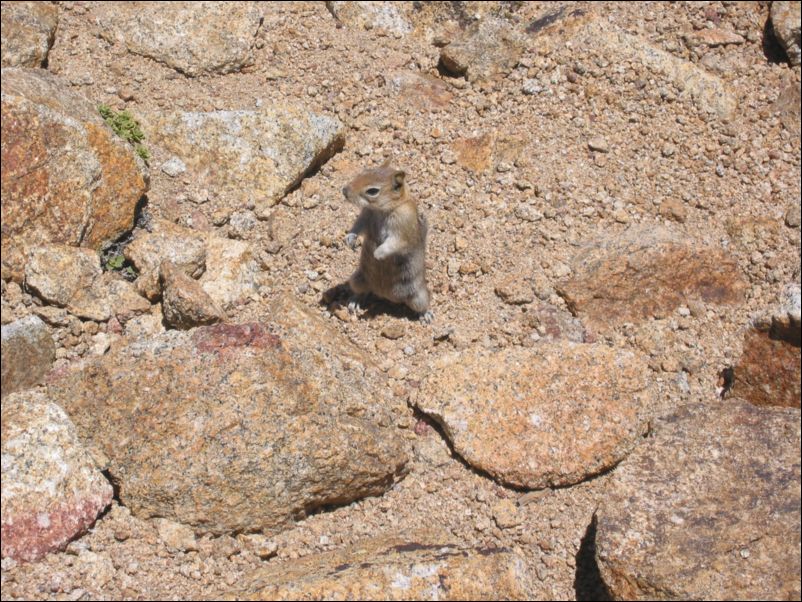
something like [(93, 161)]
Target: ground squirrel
[(392, 264)]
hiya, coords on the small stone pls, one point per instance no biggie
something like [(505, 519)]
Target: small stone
[(670, 365), (506, 514), (177, 537), (448, 157), (260, 545), (489, 48), (599, 144), (342, 314), (674, 209), (174, 167), (241, 223), (398, 372), (528, 213), (515, 290), (792, 215), (125, 93), (184, 302), (101, 343), (531, 87), (395, 330)]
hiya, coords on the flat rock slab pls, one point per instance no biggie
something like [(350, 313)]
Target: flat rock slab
[(588, 28), (707, 508), (52, 490), (385, 16), (58, 273), (66, 177), (489, 48), (436, 21), (645, 273), (423, 566), (247, 156), (542, 417), (232, 428), (194, 38), (27, 354), (28, 30)]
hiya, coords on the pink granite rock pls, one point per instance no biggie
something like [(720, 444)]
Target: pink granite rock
[(52, 490)]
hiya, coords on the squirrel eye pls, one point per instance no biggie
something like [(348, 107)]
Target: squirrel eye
[(372, 191)]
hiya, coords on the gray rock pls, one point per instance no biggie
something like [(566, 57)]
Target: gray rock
[(174, 167), (247, 157), (241, 223), (166, 241), (195, 38), (28, 352), (71, 277), (385, 16)]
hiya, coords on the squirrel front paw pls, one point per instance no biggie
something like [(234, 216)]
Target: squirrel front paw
[(350, 240)]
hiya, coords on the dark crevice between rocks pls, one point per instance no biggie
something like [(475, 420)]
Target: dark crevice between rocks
[(111, 256), (541, 23), (115, 486), (384, 483), (588, 582), (726, 378), (445, 72), (440, 430), (771, 47)]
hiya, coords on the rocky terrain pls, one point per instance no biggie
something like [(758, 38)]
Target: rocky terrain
[(606, 405)]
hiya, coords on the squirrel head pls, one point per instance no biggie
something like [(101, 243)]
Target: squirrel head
[(383, 188)]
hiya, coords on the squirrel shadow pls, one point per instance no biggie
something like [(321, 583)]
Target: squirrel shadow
[(372, 306)]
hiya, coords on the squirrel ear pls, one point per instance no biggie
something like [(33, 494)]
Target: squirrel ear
[(398, 179), (386, 163)]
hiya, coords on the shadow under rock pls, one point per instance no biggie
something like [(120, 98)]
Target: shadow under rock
[(771, 47), (588, 582)]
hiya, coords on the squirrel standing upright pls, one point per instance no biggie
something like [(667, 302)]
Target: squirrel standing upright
[(393, 263)]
